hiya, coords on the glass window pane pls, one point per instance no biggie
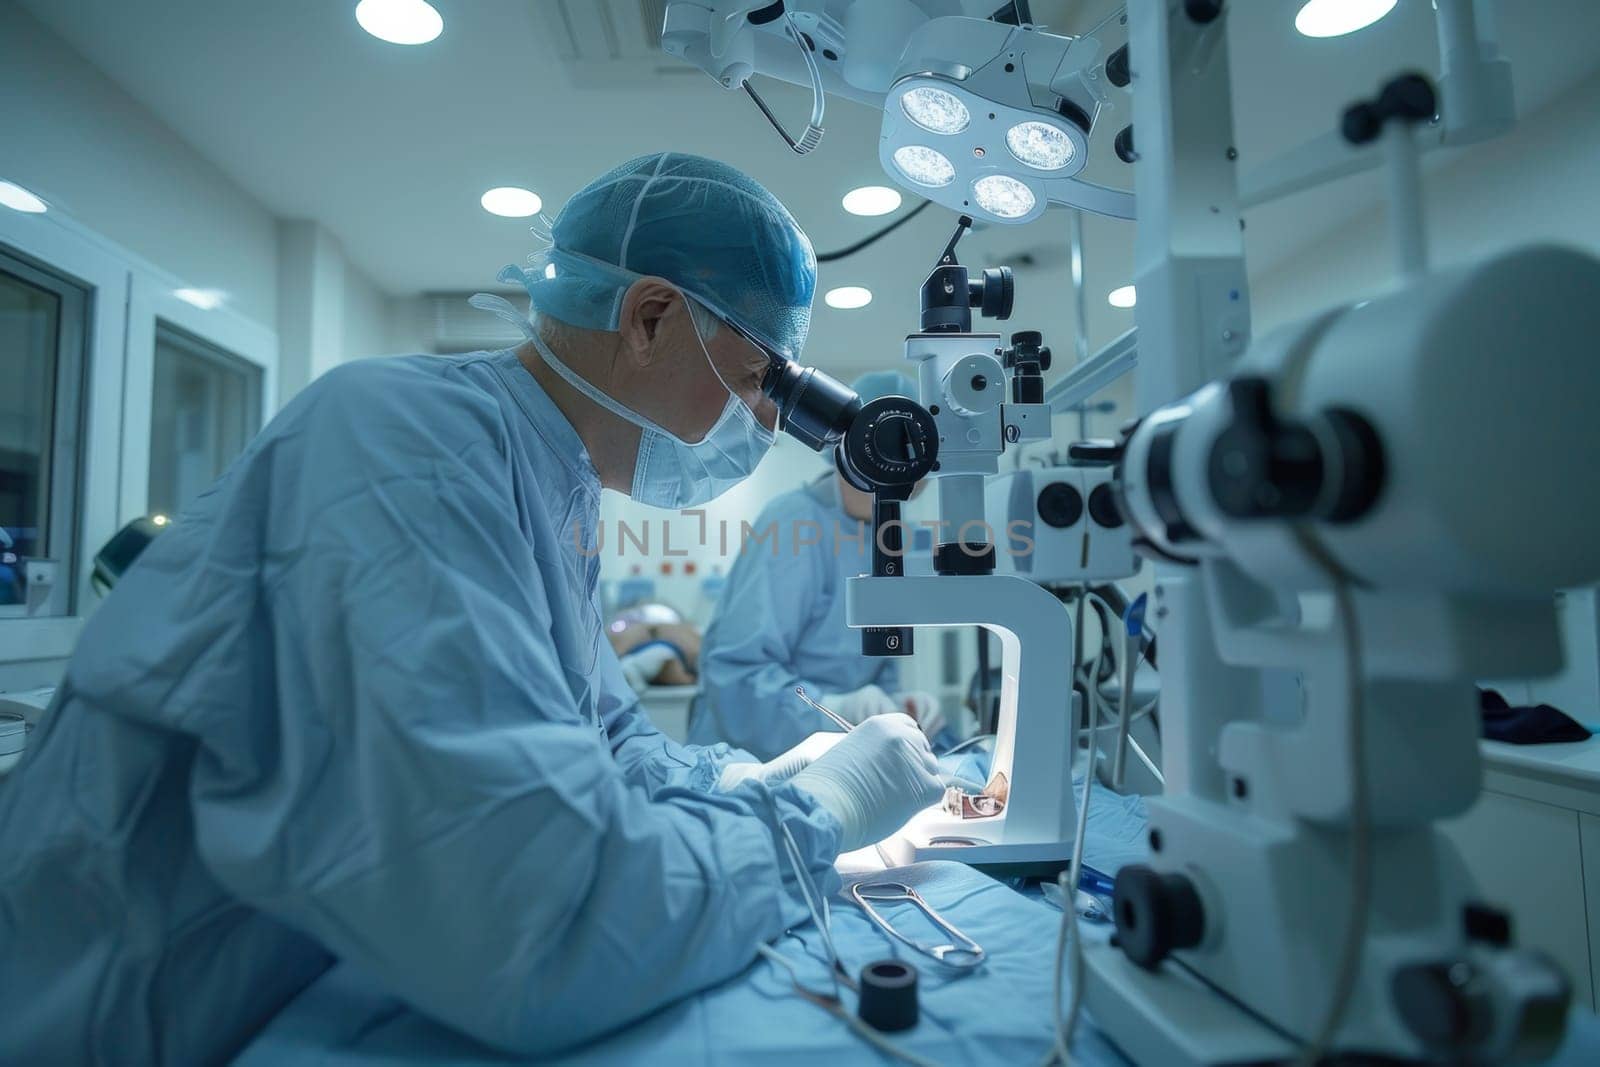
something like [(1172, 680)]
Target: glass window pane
[(206, 407), (40, 363)]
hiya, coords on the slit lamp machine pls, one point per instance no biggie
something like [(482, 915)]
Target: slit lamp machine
[(1381, 498)]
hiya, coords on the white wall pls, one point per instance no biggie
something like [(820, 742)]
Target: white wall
[(329, 311), (1539, 183), (75, 138)]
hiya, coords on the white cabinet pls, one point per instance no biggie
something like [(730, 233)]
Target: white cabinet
[(1533, 843)]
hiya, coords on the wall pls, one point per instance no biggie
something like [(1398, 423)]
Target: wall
[(100, 157), (1537, 183), (75, 138), (329, 311)]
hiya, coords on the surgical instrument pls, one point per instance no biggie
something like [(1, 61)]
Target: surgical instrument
[(838, 720), (962, 952)]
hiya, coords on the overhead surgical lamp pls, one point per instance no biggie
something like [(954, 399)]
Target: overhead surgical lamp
[(986, 118)]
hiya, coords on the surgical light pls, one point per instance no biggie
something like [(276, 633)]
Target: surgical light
[(1335, 18), (400, 21), (847, 297), (924, 166), (935, 110), (1122, 297), (1003, 195), (204, 299), (17, 198), (871, 200), (509, 201), (1040, 145)]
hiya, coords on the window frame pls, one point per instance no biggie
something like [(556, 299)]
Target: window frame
[(65, 251), (67, 408), (151, 302), (195, 348)]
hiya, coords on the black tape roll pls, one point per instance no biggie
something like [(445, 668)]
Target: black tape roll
[(888, 995)]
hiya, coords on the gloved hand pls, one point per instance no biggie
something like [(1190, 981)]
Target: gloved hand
[(874, 779), (780, 768), (923, 708), (859, 705)]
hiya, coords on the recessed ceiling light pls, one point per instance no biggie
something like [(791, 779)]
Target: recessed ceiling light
[(1335, 18), (400, 21), (204, 299), (17, 198), (871, 200), (511, 202), (1123, 297), (846, 297)]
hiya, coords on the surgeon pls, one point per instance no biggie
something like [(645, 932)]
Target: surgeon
[(780, 623), (355, 705)]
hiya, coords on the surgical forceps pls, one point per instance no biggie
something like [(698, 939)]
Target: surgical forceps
[(962, 953), (838, 720)]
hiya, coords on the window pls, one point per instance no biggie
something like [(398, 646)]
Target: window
[(205, 407), (43, 321)]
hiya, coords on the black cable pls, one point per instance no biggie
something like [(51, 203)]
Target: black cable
[(872, 238)]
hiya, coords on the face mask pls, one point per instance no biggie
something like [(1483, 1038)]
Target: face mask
[(668, 471)]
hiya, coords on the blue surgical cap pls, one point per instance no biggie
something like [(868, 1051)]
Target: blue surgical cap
[(700, 224), (873, 384)]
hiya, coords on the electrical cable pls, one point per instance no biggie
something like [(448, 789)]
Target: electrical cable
[(1360, 832), (1064, 1027), (874, 237), (975, 739)]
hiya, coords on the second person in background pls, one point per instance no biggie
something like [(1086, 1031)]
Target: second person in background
[(780, 623)]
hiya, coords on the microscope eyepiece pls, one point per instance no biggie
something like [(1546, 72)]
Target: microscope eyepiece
[(814, 407)]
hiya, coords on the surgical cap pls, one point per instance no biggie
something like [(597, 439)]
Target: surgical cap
[(700, 224), (874, 384)]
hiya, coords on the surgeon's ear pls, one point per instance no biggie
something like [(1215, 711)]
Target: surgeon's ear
[(646, 304)]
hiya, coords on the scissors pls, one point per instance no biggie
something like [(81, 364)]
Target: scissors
[(961, 952), (838, 720)]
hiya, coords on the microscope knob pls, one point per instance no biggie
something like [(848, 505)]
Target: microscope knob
[(1156, 914), (892, 437), (1059, 505)]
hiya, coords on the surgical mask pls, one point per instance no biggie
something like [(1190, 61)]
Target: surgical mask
[(668, 471)]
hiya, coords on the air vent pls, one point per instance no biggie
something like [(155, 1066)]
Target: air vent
[(610, 44), (456, 326)]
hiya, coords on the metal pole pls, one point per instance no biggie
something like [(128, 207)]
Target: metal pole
[(1080, 305)]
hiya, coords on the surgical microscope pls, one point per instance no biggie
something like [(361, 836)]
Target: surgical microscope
[(1380, 499), (979, 395)]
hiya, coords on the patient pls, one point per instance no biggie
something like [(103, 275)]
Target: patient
[(655, 652)]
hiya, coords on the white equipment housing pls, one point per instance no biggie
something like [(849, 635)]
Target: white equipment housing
[(1060, 526)]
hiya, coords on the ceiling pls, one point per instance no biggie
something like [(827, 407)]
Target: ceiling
[(390, 147)]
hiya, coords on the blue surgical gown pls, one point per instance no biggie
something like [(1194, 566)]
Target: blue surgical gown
[(355, 705), (780, 623)]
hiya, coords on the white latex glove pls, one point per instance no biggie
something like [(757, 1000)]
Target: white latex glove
[(924, 708), (780, 768), (876, 778), (859, 705)]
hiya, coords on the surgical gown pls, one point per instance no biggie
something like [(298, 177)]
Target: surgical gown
[(780, 623), (355, 705)]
